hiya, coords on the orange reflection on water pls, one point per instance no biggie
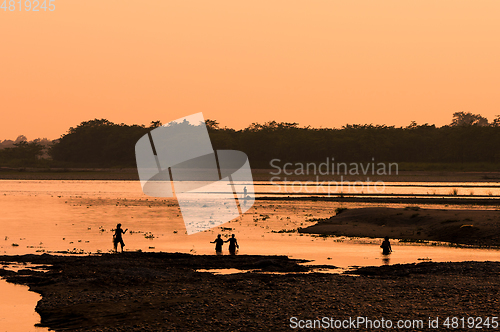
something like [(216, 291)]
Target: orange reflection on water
[(17, 313)]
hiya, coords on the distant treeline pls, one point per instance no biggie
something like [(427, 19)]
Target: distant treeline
[(101, 143)]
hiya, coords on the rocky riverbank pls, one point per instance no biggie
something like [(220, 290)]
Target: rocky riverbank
[(164, 292)]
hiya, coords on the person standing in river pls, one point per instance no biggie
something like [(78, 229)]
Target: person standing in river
[(233, 244), (218, 244), (386, 246), (117, 237), (245, 196)]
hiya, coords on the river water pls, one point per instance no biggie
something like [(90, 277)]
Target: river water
[(16, 309), (78, 217)]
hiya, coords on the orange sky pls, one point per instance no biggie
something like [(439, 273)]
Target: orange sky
[(320, 63)]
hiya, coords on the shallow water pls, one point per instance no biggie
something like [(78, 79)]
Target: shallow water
[(78, 217), (395, 189), (17, 312)]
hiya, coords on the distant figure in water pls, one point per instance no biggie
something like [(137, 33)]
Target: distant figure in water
[(245, 196), (386, 246), (218, 244), (233, 244), (117, 237)]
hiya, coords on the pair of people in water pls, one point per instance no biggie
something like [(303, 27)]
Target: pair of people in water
[(233, 244)]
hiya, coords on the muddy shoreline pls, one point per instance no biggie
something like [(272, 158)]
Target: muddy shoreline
[(163, 292)]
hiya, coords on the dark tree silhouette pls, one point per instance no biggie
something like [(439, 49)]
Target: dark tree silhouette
[(101, 143), (468, 119)]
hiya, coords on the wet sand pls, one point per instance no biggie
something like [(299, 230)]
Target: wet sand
[(163, 292), (470, 227)]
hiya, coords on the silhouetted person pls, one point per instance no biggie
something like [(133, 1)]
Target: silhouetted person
[(245, 196), (386, 246), (117, 237), (218, 244), (233, 244)]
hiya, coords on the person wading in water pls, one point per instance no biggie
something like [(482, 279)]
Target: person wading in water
[(233, 244), (218, 244), (386, 246)]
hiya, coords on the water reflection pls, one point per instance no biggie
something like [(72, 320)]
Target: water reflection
[(17, 308), (386, 259), (78, 217)]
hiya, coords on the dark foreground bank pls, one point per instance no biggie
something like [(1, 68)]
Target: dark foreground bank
[(163, 292)]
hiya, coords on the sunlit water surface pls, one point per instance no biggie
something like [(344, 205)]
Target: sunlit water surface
[(16, 309), (79, 216)]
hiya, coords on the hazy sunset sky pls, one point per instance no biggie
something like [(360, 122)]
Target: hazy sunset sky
[(319, 63)]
